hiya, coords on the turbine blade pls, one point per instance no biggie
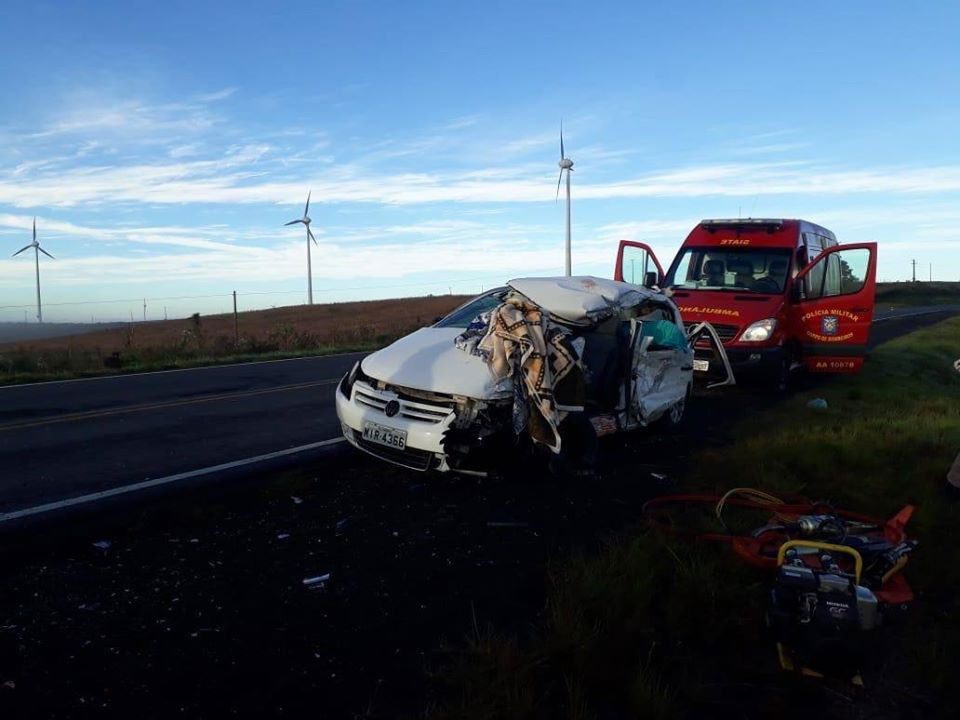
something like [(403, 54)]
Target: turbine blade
[(307, 208), (559, 180), (45, 253), (310, 235), (293, 222), (562, 155), (21, 250), (34, 229)]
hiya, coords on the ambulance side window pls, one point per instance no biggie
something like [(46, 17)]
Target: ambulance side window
[(813, 285), (842, 272), (831, 281)]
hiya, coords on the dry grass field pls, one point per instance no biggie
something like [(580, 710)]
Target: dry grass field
[(208, 339)]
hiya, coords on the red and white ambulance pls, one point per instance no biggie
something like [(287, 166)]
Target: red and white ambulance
[(782, 294)]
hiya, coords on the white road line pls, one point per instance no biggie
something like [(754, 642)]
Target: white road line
[(136, 487), (180, 370), (910, 315)]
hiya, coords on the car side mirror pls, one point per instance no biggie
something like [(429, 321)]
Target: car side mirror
[(651, 279)]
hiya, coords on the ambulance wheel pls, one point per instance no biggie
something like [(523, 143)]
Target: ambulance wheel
[(784, 374)]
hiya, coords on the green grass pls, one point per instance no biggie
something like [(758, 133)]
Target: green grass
[(655, 626), (18, 367), (920, 293)]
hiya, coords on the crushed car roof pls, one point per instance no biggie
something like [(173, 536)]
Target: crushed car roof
[(582, 299)]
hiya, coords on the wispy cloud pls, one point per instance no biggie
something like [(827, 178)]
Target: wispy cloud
[(240, 177), (217, 95)]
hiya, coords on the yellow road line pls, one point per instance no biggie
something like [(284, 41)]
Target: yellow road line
[(109, 412)]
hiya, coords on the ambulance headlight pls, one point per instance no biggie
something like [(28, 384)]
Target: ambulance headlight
[(759, 331)]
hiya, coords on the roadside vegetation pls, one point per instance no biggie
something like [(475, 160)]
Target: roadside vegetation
[(297, 331), (902, 294), (657, 626)]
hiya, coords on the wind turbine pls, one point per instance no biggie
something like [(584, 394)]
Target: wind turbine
[(306, 222), (565, 164), (36, 259)]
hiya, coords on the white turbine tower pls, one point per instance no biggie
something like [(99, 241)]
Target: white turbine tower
[(306, 222), (565, 164), (36, 259)]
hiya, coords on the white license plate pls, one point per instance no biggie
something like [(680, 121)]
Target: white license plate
[(701, 365), (383, 435)]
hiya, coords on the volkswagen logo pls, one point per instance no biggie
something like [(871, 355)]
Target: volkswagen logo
[(392, 408)]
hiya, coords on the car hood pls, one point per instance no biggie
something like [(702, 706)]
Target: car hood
[(428, 360)]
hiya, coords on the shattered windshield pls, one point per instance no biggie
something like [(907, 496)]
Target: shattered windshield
[(461, 317), (760, 270)]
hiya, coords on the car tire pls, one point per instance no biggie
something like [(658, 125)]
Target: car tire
[(674, 417)]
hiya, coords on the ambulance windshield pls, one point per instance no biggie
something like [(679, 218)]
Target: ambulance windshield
[(759, 270)]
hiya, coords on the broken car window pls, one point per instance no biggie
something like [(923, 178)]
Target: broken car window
[(461, 317)]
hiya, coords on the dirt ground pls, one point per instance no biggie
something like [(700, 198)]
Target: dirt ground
[(329, 324), (202, 611)]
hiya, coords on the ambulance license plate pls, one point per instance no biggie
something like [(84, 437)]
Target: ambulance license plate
[(383, 435)]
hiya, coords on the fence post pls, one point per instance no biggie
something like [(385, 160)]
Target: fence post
[(236, 327)]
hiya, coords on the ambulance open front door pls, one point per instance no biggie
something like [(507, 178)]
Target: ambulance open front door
[(637, 264), (833, 307)]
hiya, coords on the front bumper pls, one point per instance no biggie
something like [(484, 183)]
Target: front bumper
[(424, 423), (747, 362)]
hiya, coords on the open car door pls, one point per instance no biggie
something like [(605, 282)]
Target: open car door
[(835, 305), (637, 264)]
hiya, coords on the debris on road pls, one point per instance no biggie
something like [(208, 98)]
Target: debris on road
[(102, 545), (953, 475), (817, 404), (496, 524), (316, 582), (283, 536), (296, 500)]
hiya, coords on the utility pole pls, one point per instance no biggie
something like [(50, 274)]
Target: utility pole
[(236, 326), (931, 272), (914, 263), (164, 312), (144, 309)]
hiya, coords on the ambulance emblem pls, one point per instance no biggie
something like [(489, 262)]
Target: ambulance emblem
[(829, 325)]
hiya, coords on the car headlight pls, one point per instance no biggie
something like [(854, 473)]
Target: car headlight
[(346, 385), (759, 331)]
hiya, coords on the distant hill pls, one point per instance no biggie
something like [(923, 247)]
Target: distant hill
[(20, 332)]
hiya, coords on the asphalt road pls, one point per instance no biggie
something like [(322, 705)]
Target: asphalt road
[(67, 439), (80, 441)]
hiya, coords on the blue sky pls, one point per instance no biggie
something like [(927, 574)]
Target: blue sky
[(162, 146)]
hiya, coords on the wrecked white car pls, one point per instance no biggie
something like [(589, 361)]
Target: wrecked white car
[(544, 364)]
